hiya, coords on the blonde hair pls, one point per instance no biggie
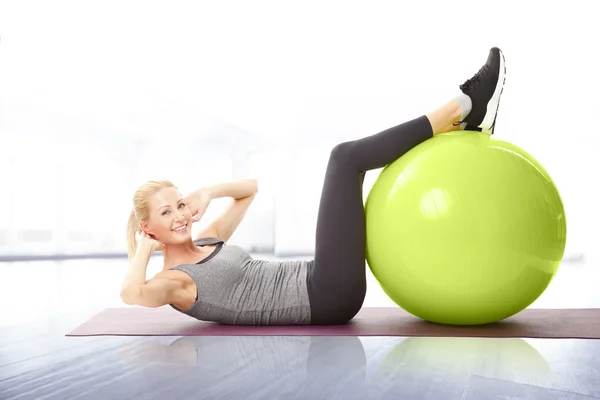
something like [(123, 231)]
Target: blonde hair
[(141, 212)]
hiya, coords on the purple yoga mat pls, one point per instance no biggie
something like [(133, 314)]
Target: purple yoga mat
[(370, 321)]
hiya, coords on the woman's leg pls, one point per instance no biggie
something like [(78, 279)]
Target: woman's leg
[(337, 278)]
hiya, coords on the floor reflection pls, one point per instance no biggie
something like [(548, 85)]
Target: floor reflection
[(445, 364), (322, 366), (303, 367)]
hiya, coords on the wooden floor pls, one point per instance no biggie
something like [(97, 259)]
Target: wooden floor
[(38, 362)]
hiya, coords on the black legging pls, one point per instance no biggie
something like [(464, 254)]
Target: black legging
[(337, 282)]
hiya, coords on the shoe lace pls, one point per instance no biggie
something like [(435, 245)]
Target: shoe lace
[(475, 80)]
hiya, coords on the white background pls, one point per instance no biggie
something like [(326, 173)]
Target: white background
[(96, 97)]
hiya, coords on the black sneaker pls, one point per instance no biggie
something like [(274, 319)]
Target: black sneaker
[(484, 89), (472, 128)]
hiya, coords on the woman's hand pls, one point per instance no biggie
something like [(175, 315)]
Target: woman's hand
[(198, 202), (151, 243)]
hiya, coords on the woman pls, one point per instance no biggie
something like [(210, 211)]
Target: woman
[(212, 281)]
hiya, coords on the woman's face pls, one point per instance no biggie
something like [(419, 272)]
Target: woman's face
[(168, 213)]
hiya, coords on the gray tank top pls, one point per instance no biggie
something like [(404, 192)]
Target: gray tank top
[(235, 289)]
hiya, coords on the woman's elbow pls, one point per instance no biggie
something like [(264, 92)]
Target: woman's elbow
[(129, 297)]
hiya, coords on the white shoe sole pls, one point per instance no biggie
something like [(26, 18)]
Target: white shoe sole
[(493, 104)]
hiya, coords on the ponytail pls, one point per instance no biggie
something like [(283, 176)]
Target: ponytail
[(133, 227)]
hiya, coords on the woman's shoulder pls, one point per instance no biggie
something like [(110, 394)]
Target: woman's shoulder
[(172, 274), (207, 241)]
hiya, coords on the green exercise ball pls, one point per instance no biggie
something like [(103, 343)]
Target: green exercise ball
[(464, 229)]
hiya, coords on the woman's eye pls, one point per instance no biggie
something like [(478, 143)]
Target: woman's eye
[(165, 212)]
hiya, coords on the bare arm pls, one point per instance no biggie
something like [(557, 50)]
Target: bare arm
[(136, 290), (236, 189), (243, 193), (136, 274), (157, 292)]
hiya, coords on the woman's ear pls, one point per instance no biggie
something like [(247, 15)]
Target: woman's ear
[(144, 226)]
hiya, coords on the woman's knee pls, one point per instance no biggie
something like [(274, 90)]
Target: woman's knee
[(342, 152)]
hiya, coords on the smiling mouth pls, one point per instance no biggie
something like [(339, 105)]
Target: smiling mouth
[(181, 229)]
